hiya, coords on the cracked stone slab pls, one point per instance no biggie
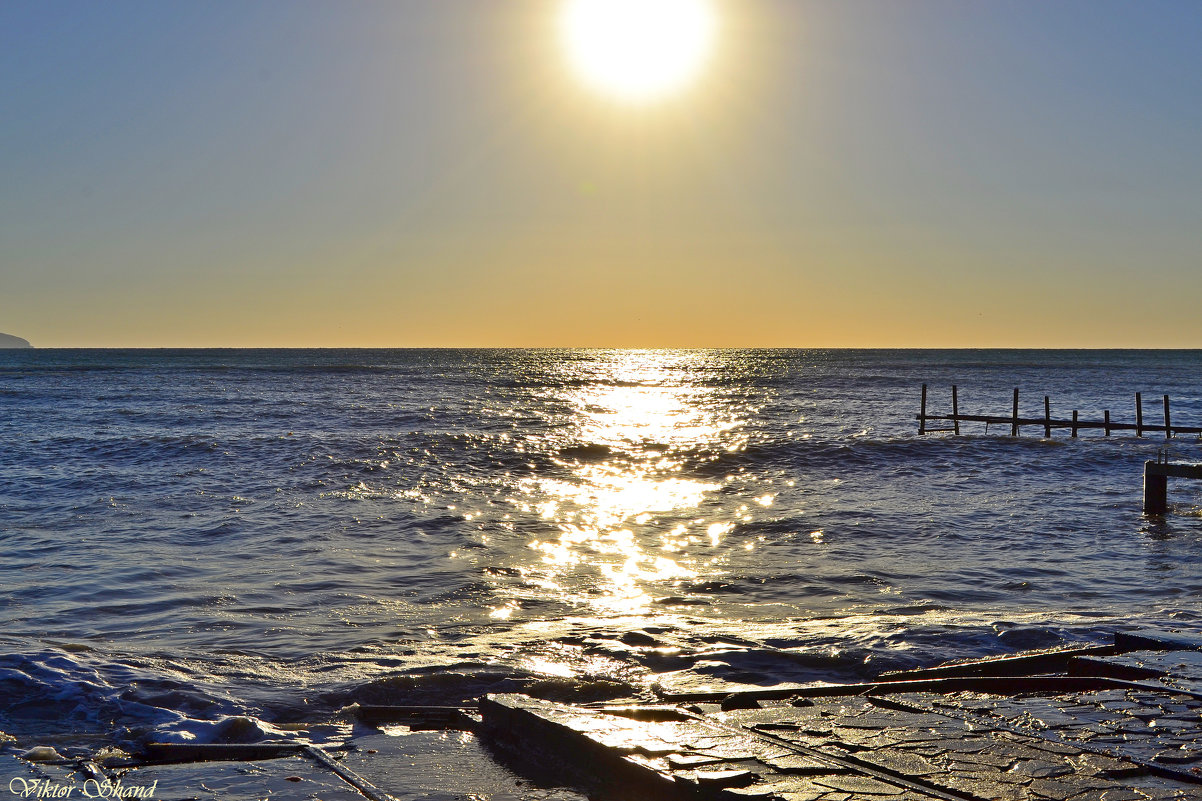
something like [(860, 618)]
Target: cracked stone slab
[(797, 764), (1180, 670), (903, 748), (964, 757), (1151, 728), (1156, 640), (711, 755)]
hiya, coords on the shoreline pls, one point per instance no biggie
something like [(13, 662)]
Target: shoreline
[(1074, 722)]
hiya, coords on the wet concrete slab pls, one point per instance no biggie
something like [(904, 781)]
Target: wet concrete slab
[(22, 778), (1062, 725), (1101, 723), (1180, 670), (390, 762), (1161, 731), (827, 750), (1156, 640), (292, 777), (672, 753), (441, 765)]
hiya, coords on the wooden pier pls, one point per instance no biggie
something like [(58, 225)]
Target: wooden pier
[(1047, 422), (1156, 474)]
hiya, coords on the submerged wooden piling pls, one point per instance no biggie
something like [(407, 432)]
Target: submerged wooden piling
[(922, 415), (1014, 425), (1156, 483), (1156, 490)]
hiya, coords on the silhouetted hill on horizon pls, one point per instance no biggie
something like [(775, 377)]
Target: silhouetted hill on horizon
[(10, 341)]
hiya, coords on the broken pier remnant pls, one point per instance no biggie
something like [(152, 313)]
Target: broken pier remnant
[(1156, 483), (1075, 424)]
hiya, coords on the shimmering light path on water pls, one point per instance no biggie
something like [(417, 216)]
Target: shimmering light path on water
[(193, 534)]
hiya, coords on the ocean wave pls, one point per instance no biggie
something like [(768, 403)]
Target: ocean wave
[(262, 537)]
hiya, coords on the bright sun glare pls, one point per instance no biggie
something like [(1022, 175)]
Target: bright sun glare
[(638, 50)]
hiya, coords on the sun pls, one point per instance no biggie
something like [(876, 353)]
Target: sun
[(638, 50)]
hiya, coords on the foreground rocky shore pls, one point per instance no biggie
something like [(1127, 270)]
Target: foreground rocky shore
[(1119, 722)]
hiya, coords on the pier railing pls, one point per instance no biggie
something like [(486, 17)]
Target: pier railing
[(1047, 422)]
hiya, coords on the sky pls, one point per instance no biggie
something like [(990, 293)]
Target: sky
[(414, 173)]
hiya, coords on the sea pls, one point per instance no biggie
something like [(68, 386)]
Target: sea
[(194, 537)]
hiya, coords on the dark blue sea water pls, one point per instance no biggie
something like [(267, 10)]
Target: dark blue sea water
[(194, 535)]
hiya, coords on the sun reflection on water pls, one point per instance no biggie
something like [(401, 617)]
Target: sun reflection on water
[(625, 519)]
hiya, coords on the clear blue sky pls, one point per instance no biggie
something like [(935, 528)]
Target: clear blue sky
[(430, 172)]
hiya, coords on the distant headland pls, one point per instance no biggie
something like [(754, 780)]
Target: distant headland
[(9, 341)]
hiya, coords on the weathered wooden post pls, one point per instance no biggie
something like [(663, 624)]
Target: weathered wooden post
[(1074, 423), (1139, 415), (955, 412), (1168, 430), (1107, 423), (1156, 482), (1047, 416), (1156, 490), (1014, 419), (922, 412)]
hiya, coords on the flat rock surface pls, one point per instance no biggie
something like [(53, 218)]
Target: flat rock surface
[(1181, 670), (441, 766), (287, 778), (18, 775), (1162, 729), (920, 747), (401, 765), (1122, 727)]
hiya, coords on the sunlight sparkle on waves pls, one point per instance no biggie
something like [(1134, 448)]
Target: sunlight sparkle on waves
[(641, 411)]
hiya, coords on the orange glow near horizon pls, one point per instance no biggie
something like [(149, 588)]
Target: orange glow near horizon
[(600, 173)]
